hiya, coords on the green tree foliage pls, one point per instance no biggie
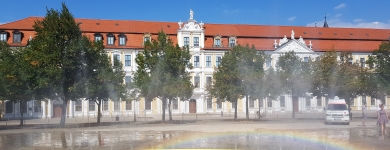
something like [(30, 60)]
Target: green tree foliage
[(162, 71), (295, 76), (17, 76), (239, 74), (57, 49), (325, 75), (379, 62), (104, 80)]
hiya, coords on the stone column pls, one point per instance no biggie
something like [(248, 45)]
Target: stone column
[(43, 106), (71, 111), (49, 108)]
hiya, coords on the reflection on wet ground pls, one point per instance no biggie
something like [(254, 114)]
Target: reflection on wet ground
[(353, 138)]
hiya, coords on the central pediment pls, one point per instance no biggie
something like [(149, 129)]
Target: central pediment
[(293, 45)]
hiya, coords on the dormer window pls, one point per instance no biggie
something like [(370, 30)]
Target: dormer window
[(196, 41), (110, 39), (3, 36), (98, 37), (232, 41), (17, 36), (147, 37), (122, 39), (217, 41)]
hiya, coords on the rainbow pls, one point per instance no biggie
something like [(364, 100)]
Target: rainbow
[(267, 139)]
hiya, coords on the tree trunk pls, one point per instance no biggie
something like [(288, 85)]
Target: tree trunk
[(293, 108), (21, 112), (258, 113), (164, 102), (63, 115), (170, 110), (99, 103), (135, 116), (235, 111), (246, 107)]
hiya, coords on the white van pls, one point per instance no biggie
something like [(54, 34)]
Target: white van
[(337, 111)]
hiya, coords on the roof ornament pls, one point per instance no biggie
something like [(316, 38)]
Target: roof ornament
[(292, 34), (301, 40), (282, 41), (275, 44), (310, 45), (201, 24), (191, 14), (180, 23)]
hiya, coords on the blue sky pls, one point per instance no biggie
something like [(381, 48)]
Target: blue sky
[(347, 13)]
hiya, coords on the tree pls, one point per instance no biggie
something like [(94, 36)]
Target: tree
[(325, 75), (162, 71), (17, 76), (58, 53), (294, 77), (379, 62), (238, 75), (104, 80), (132, 94)]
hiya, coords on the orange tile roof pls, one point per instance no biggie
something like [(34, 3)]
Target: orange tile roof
[(261, 36)]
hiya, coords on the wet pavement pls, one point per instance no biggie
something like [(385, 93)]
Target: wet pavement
[(311, 135)]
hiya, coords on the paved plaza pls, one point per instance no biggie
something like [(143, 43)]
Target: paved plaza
[(195, 131)]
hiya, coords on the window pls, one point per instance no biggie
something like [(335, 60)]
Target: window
[(208, 61), (308, 102), (251, 103), (208, 81), (319, 101), (232, 42), (17, 36), (105, 105), (352, 102), (219, 103), (196, 41), (305, 59), (261, 103), (196, 61), (175, 104), (117, 59), (9, 107), (282, 101), (186, 41), (127, 60), (362, 62), (218, 60), (117, 105), (209, 101), (350, 61), (196, 81), (122, 39), (217, 43), (364, 99), (146, 39), (110, 39), (78, 105), (3, 36), (127, 79), (98, 37), (372, 101), (268, 62), (269, 103), (128, 105), (91, 106), (234, 105), (37, 106), (148, 105)]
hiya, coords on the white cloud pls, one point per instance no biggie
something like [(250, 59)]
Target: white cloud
[(291, 18), (342, 5), (338, 15), (357, 23), (357, 20)]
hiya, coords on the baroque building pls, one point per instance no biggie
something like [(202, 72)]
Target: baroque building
[(124, 39)]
